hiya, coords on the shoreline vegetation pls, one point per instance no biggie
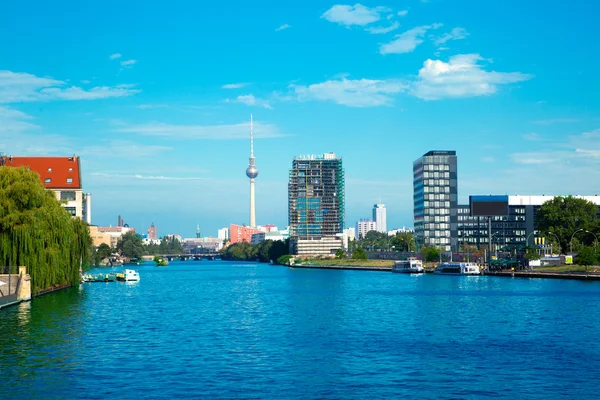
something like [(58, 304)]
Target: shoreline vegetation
[(366, 264), (37, 232)]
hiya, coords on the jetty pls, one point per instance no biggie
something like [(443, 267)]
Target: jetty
[(98, 278)]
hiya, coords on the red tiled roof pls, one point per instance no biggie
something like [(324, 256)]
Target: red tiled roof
[(55, 172)]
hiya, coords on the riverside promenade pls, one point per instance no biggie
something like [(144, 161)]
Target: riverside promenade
[(580, 276)]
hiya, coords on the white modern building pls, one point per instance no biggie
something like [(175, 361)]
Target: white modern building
[(223, 234), (379, 216), (363, 226)]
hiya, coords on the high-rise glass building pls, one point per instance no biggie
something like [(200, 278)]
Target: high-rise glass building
[(435, 200), (379, 216), (316, 204)]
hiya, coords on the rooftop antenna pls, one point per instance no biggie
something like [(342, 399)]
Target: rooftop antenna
[(251, 138)]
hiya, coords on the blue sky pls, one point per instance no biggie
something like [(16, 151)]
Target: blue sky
[(156, 96)]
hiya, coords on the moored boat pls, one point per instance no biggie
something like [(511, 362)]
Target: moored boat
[(129, 275), (98, 278), (457, 268), (410, 266)]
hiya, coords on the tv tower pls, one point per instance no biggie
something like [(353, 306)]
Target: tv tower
[(252, 173)]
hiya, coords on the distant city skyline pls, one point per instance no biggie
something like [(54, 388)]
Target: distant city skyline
[(159, 113)]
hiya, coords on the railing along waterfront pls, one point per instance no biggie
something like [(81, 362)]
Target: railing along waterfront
[(9, 285)]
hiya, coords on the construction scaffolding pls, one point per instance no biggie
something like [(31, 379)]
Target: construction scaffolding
[(316, 197)]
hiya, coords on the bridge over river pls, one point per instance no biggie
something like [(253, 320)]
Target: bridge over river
[(190, 256)]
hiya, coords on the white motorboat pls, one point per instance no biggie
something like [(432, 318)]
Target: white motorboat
[(410, 266), (129, 275), (455, 268)]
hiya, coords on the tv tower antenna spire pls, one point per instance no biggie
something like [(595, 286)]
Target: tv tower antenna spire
[(252, 173)]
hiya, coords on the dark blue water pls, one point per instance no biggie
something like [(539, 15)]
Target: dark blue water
[(214, 329)]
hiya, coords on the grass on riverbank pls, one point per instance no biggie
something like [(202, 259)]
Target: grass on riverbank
[(568, 268), (348, 262)]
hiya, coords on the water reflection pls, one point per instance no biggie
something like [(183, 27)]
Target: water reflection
[(42, 339)]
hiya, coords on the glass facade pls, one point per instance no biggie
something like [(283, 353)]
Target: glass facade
[(316, 197), (508, 230), (435, 200)]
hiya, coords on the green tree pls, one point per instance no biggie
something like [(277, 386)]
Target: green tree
[(532, 253), (340, 254), (263, 249), (36, 231), (360, 254), (279, 248), (404, 242), (563, 216), (104, 251), (130, 245), (586, 256), (284, 260), (430, 254)]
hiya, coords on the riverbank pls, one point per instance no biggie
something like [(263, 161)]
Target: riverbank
[(364, 265), (549, 275), (572, 272)]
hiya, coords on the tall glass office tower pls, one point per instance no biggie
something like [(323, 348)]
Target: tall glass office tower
[(435, 200), (316, 204)]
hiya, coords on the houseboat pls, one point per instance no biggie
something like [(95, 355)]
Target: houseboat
[(129, 275), (452, 268), (410, 266)]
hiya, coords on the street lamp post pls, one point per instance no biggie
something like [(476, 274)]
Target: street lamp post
[(557, 239), (573, 235)]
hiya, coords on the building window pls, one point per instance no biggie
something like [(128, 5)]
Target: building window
[(69, 180), (47, 180), (71, 210), (67, 195)]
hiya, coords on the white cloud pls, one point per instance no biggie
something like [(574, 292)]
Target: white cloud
[(115, 56), (353, 15), (128, 63), (99, 92), (553, 121), (575, 154), (282, 27), (532, 137), (250, 100), (150, 106), (454, 34), (13, 121), (234, 86), (22, 87), (123, 149), (352, 93), (407, 41), (148, 177), (18, 135), (203, 132), (383, 29), (402, 13), (461, 76)]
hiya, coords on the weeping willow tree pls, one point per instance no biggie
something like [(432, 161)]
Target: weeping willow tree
[(37, 232)]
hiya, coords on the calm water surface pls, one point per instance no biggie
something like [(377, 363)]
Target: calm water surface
[(215, 329)]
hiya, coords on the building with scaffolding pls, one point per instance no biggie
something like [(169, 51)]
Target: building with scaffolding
[(316, 205)]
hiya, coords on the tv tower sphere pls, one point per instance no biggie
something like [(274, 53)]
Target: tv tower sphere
[(252, 172)]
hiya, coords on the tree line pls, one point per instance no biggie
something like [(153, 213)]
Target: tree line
[(131, 245), (571, 225), (265, 251)]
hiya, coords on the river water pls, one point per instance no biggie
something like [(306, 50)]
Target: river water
[(214, 329)]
